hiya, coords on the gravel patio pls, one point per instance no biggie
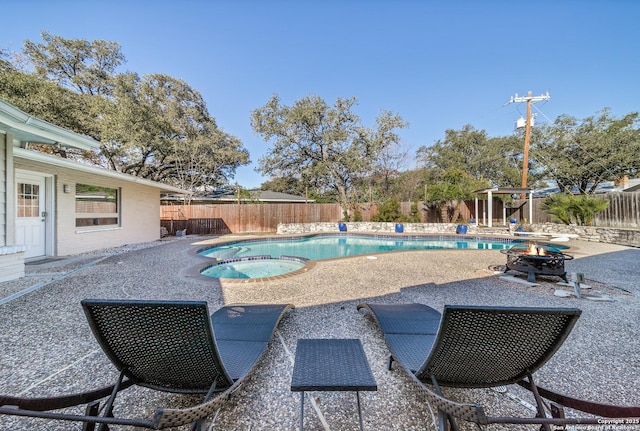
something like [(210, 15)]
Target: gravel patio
[(46, 346)]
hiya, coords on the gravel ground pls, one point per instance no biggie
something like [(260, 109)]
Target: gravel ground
[(47, 348)]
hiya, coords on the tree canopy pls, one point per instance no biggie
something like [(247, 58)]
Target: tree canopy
[(496, 160), (159, 128), (580, 154), (323, 146), (78, 64)]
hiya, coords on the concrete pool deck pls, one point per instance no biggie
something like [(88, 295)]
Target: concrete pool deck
[(46, 346)]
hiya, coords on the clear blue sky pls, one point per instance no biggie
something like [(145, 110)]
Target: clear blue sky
[(439, 64)]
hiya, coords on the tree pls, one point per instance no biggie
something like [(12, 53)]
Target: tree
[(387, 178), (497, 160), (78, 64), (409, 185), (454, 187), (322, 146), (289, 185), (46, 100), (580, 154), (159, 128)]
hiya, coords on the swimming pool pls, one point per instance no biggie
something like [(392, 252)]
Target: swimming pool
[(331, 246)]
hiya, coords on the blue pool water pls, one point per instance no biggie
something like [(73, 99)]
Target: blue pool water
[(319, 247), (253, 268)]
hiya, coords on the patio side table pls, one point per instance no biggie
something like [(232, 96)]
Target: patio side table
[(331, 365)]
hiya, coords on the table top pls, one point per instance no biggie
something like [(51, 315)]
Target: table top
[(331, 365)]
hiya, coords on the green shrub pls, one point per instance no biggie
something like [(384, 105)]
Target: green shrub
[(389, 211), (414, 214), (357, 215)]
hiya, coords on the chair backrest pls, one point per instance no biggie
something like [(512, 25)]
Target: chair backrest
[(492, 346), (164, 345)]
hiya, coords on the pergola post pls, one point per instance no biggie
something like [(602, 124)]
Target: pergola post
[(476, 216), (490, 205)]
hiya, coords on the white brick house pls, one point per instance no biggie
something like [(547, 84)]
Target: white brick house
[(51, 206)]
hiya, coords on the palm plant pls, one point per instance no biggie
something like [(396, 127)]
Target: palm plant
[(584, 208), (557, 206), (569, 208)]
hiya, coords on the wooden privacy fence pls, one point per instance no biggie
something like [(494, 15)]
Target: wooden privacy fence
[(623, 211), (245, 217)]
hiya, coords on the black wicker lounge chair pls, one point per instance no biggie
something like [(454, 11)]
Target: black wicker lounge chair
[(479, 347), (172, 346)]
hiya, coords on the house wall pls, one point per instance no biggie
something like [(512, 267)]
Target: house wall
[(11, 256), (3, 190), (139, 221), (11, 263)]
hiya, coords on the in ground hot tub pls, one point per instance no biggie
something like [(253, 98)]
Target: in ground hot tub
[(254, 267)]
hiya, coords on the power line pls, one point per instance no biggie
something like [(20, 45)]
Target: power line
[(529, 99)]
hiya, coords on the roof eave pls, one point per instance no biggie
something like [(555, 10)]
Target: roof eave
[(42, 131), (58, 161)]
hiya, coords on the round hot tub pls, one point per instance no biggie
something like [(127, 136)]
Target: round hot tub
[(254, 267)]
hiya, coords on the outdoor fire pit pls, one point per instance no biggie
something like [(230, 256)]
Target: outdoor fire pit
[(536, 259)]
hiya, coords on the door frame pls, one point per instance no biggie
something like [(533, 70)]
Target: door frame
[(49, 207)]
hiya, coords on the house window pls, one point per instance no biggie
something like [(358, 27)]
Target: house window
[(97, 206)]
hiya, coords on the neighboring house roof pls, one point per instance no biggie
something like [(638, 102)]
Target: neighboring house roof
[(269, 196), (95, 170), (266, 196), (633, 186), (27, 128)]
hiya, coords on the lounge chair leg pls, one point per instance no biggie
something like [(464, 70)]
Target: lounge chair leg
[(201, 424), (108, 407), (92, 409), (444, 419), (557, 411), (539, 403), (443, 423), (389, 362)]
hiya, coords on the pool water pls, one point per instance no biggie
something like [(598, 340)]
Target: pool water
[(320, 247), (258, 268)]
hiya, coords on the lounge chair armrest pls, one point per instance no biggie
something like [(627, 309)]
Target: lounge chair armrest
[(62, 401), (600, 409)]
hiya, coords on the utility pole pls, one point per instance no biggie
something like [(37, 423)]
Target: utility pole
[(527, 131)]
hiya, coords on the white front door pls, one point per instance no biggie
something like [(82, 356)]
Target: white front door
[(31, 215)]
